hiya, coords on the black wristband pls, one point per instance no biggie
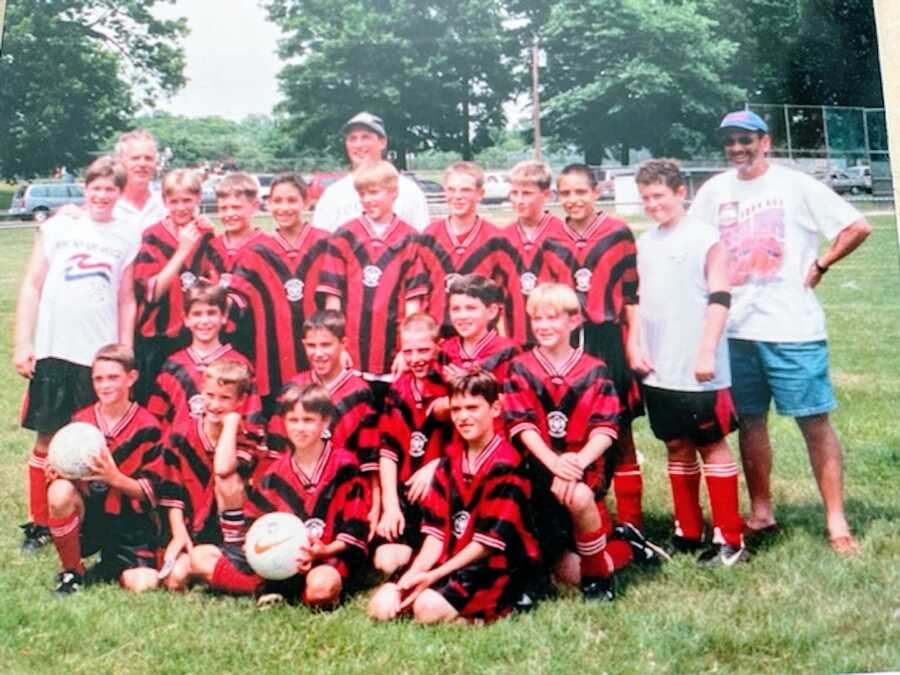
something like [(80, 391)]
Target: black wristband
[(719, 298), (820, 268)]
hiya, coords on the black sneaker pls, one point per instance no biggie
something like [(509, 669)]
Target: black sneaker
[(539, 587), (598, 589), (723, 555), (35, 537), (646, 553), (68, 582), (680, 545)]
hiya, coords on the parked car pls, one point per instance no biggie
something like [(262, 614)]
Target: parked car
[(606, 180), (265, 184), (843, 182), (208, 195), (317, 182), (861, 171), (433, 191), (39, 200), (496, 187)]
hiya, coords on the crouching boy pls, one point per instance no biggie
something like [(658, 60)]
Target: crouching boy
[(475, 522), (113, 511), (319, 483)]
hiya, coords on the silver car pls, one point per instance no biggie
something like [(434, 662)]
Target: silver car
[(39, 200)]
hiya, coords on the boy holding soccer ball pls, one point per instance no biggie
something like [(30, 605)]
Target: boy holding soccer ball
[(319, 483), (113, 509)]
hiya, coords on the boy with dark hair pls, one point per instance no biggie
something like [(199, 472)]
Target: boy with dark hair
[(563, 409), (77, 295), (474, 308), (475, 521), (414, 428), (373, 273), (177, 395), (172, 257), (682, 353), (209, 462), (276, 279), (600, 254), (529, 190), (113, 511), (318, 482)]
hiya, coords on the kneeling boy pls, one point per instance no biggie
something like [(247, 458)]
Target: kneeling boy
[(319, 483), (563, 408), (113, 511), (475, 521)]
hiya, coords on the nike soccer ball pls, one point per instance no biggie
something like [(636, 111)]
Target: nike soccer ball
[(73, 448), (273, 545)]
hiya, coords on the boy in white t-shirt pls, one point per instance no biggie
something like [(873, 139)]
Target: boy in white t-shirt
[(680, 349), (77, 296), (772, 219)]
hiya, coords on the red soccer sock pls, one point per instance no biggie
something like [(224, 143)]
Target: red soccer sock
[(685, 480), (232, 522), (722, 486), (66, 533), (37, 489), (629, 488), (226, 577), (591, 548)]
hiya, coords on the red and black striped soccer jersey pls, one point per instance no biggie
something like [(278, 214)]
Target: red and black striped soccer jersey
[(493, 354)]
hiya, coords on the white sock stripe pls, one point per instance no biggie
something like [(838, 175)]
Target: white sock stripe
[(592, 547), (721, 470), (627, 473), (66, 528), (37, 461)]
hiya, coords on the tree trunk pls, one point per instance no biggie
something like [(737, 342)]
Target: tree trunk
[(466, 144)]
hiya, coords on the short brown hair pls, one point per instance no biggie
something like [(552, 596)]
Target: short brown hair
[(117, 353), (231, 373), (475, 286), (476, 383), (468, 169), (207, 293), (237, 184), (420, 321), (312, 396), (290, 178), (577, 169), (665, 171), (182, 179), (377, 174), (327, 319), (533, 172), (106, 167)]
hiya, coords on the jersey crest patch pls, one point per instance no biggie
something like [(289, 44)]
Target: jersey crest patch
[(315, 527), (417, 443), (371, 276), (557, 424), (528, 282), (196, 405), (187, 279), (460, 522), (293, 288), (583, 280)]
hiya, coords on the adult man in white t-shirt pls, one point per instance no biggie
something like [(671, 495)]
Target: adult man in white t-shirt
[(771, 220), (365, 141), (139, 206)]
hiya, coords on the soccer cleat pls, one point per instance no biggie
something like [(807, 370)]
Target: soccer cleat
[(723, 555), (35, 537), (598, 589), (537, 588), (679, 545), (68, 582), (269, 600), (645, 552)]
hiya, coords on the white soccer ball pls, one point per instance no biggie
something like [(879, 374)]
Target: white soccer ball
[(74, 447), (273, 545)]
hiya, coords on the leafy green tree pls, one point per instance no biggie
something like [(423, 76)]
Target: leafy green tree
[(69, 70), (438, 73)]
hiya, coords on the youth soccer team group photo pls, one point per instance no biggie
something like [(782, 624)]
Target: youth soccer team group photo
[(434, 413)]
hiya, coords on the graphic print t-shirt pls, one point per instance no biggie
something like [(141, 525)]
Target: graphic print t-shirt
[(772, 227)]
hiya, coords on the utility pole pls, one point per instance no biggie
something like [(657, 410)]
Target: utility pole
[(535, 97)]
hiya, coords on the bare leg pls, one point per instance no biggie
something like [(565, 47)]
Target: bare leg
[(756, 456), (826, 458)]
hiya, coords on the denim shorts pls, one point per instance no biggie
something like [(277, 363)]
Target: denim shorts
[(795, 374)]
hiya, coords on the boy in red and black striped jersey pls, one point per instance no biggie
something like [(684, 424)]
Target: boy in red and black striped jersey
[(474, 308), (176, 396), (461, 243), (415, 426), (318, 482), (478, 538), (208, 464), (563, 408), (276, 279), (113, 511), (529, 190), (600, 254), (172, 257), (374, 273)]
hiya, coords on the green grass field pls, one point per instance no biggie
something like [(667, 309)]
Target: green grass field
[(795, 608)]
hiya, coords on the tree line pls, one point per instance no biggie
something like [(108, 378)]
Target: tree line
[(620, 74)]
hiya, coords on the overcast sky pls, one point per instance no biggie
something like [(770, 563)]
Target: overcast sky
[(231, 61)]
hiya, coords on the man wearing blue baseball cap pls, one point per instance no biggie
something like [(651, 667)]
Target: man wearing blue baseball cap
[(365, 141), (771, 220)]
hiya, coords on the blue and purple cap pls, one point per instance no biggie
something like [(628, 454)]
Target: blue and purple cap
[(744, 119)]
